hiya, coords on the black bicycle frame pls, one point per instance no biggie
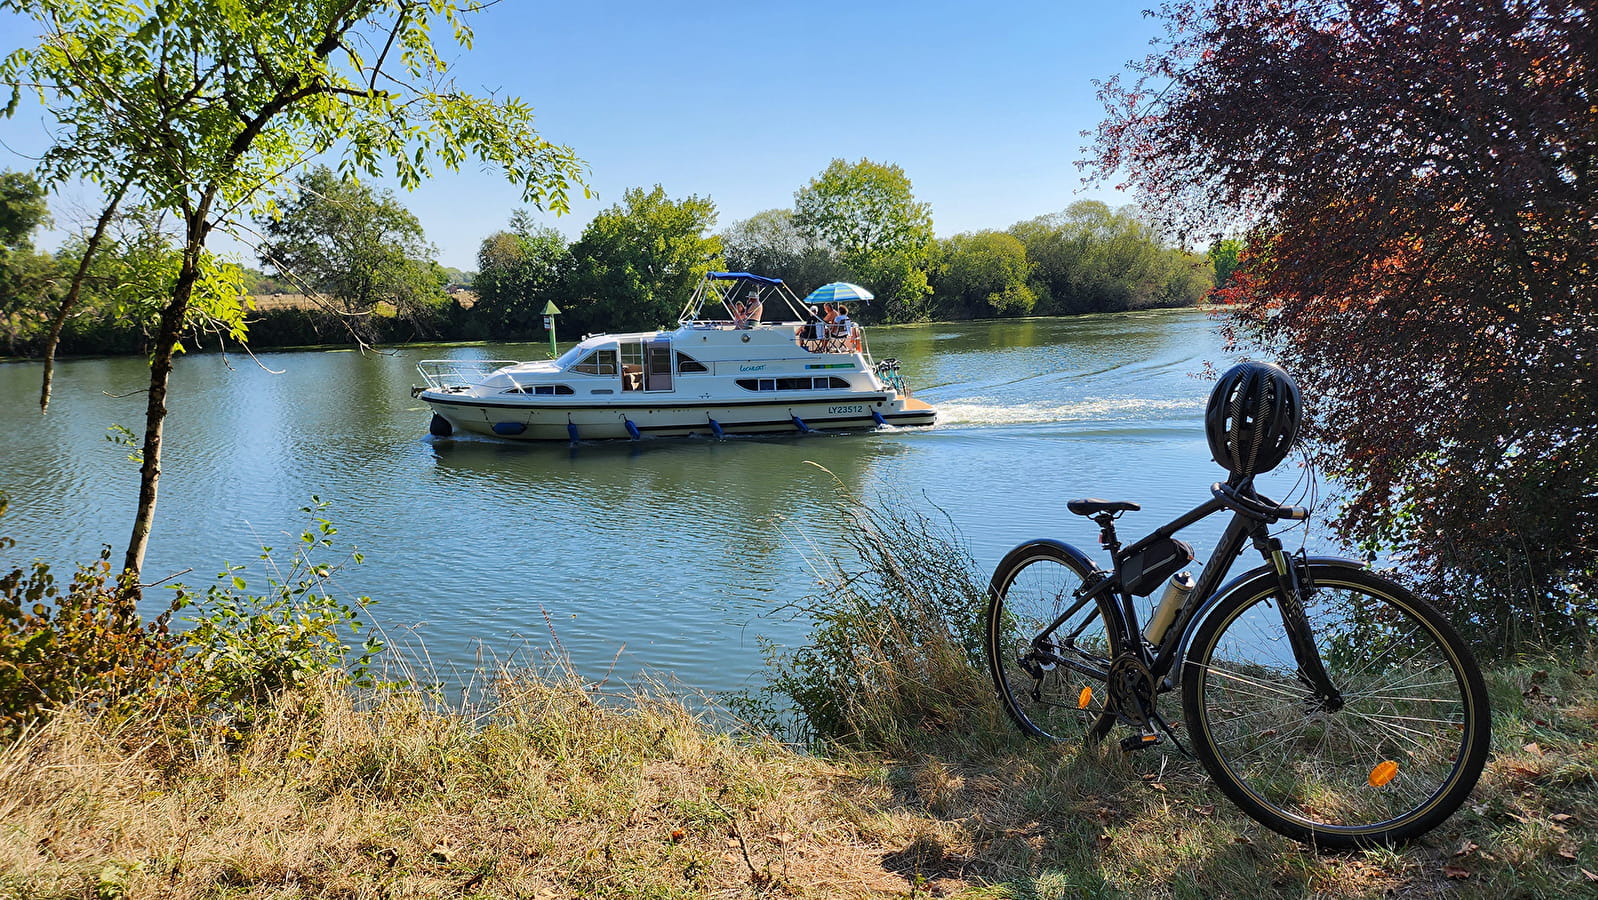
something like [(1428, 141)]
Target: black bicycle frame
[(1245, 526)]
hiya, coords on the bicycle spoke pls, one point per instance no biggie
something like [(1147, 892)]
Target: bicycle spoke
[(1308, 767)]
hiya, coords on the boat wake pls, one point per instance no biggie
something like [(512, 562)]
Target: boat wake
[(983, 411)]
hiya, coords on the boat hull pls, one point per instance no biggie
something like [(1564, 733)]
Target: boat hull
[(515, 420)]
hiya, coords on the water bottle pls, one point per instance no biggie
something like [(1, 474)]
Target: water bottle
[(1176, 591)]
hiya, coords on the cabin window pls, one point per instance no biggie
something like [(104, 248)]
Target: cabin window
[(600, 362), (547, 389), (792, 384), (686, 363)]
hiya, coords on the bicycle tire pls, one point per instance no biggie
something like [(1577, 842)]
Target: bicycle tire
[(1399, 755), (1031, 586)]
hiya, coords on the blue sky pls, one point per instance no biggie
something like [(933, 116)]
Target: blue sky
[(982, 104)]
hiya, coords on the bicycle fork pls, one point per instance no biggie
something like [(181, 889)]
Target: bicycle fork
[(1292, 579)]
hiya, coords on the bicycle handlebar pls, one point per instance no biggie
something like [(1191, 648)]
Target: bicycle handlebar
[(1255, 506)]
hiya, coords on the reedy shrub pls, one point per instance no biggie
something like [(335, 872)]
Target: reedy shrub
[(896, 646)]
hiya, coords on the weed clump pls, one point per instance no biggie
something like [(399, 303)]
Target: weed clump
[(87, 647), (895, 651)]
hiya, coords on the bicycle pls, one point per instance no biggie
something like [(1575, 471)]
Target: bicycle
[(1329, 703)]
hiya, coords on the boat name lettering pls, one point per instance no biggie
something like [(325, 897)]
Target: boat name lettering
[(835, 410), (751, 368)]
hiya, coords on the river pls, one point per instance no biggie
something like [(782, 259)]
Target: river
[(668, 557)]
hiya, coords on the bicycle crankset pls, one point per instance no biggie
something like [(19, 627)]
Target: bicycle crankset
[(1131, 687)]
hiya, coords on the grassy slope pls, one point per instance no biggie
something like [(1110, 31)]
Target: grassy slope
[(551, 795)]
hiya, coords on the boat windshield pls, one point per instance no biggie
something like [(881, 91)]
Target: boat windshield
[(570, 356)]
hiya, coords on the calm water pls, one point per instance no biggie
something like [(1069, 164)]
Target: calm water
[(666, 556)]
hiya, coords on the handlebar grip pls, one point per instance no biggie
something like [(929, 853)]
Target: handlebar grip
[(1296, 513)]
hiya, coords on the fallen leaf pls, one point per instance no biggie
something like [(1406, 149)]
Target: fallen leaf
[(1539, 676), (1533, 749), (1207, 809), (1456, 872), (1562, 818), (1241, 839), (677, 834), (1467, 848), (1590, 876), (782, 838), (1567, 852)]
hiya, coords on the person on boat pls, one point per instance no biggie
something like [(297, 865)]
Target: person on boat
[(809, 332), (829, 314), (753, 309), (840, 323)]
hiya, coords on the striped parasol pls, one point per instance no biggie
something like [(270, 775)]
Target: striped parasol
[(838, 292)]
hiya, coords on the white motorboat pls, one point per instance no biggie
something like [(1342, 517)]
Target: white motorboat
[(735, 375)]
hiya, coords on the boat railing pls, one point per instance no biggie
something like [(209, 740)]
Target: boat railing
[(447, 373)]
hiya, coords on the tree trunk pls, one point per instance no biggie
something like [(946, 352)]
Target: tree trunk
[(172, 316), (72, 294)]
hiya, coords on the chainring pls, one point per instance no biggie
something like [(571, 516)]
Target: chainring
[(1131, 687)]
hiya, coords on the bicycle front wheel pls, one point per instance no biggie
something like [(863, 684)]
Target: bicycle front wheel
[(1389, 757), (1048, 650)]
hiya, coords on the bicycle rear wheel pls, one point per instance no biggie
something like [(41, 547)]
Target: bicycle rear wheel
[(1051, 677), (1393, 757)]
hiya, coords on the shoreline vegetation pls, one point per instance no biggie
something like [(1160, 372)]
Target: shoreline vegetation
[(906, 779)]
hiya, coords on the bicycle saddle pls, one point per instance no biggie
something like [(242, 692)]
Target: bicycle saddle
[(1090, 506)]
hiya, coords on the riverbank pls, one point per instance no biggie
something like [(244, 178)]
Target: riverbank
[(556, 791)]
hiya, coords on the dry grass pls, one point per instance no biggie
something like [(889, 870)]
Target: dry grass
[(548, 795), (552, 794)]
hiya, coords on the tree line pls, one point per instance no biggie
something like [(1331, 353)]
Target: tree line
[(363, 260)]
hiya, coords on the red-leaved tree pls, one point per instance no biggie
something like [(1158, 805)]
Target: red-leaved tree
[(1416, 182)]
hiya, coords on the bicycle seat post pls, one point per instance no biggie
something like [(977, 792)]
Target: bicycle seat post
[(1107, 538)]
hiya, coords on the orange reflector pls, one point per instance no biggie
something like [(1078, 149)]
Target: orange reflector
[(1383, 773), (1084, 698)]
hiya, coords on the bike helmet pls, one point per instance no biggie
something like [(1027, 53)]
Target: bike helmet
[(1253, 417)]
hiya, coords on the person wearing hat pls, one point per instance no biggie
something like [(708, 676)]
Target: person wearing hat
[(747, 315)]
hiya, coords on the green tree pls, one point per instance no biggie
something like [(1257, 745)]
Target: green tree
[(867, 213), (339, 238), (1090, 258), (636, 263), (771, 243), (983, 273), (202, 105), (1223, 255), (22, 209), (518, 272), (26, 277)]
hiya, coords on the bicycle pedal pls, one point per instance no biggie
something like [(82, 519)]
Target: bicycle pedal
[(1139, 741)]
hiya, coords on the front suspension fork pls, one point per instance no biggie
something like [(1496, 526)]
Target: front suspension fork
[(1292, 579)]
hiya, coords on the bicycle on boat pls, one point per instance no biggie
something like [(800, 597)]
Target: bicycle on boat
[(1330, 704)]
